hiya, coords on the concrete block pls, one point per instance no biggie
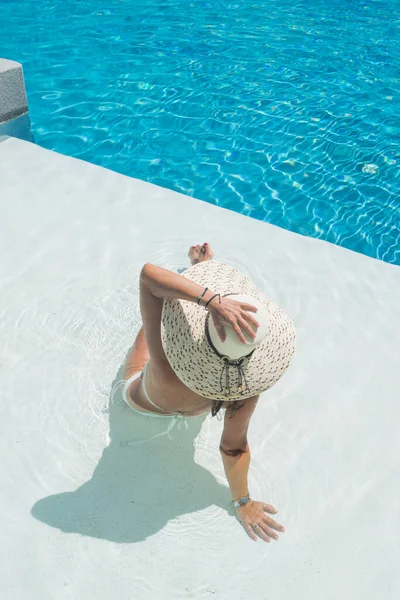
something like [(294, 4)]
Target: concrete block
[(13, 101)]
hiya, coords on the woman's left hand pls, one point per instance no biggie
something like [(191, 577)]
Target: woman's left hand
[(236, 315), (254, 513)]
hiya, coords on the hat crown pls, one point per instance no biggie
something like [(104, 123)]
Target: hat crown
[(232, 346)]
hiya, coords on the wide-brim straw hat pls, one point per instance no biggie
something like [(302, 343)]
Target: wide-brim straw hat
[(231, 370)]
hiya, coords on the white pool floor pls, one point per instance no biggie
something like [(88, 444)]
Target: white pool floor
[(83, 517)]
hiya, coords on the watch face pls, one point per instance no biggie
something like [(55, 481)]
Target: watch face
[(245, 500)]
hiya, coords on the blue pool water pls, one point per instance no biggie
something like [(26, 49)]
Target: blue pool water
[(287, 111)]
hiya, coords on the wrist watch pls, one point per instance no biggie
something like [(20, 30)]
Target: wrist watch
[(237, 503)]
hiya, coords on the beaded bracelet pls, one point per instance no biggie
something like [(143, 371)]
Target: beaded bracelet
[(237, 503)]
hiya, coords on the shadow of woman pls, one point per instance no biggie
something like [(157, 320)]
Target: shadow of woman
[(136, 489)]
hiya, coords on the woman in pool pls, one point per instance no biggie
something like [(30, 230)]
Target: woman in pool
[(184, 363)]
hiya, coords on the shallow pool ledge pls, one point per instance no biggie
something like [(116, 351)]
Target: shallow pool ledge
[(82, 516), (14, 115)]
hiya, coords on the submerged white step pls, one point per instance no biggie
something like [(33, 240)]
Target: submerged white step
[(83, 517)]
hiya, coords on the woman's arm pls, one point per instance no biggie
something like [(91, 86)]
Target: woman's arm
[(161, 283), (234, 449), (235, 454)]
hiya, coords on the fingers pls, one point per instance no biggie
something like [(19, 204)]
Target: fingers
[(250, 319), (269, 508), (257, 532), (221, 331), (248, 307), (250, 531), (273, 524), (246, 328), (269, 530), (262, 532), (238, 332), (270, 522), (236, 317)]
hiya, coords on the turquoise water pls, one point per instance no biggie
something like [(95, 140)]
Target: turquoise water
[(284, 111)]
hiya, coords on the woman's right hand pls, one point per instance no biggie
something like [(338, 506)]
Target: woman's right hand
[(233, 314), (257, 523)]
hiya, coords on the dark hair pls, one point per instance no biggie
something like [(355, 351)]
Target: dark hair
[(233, 405)]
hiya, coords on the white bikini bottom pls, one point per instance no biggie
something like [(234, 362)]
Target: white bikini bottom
[(176, 416)]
